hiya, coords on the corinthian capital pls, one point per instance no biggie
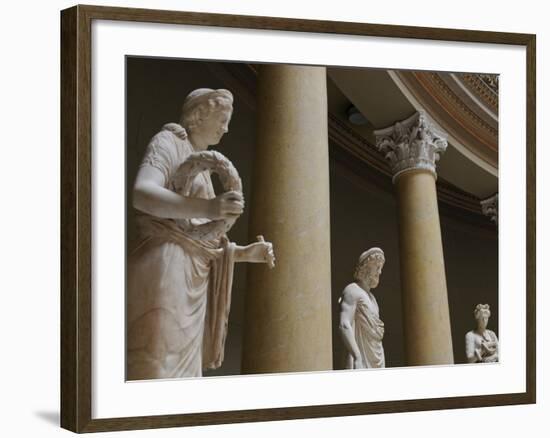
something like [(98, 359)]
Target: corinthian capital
[(414, 143), (489, 207)]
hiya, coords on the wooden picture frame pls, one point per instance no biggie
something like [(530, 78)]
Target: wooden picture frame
[(76, 217)]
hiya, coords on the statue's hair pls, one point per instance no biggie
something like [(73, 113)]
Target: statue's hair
[(482, 309), (200, 103), (373, 255)]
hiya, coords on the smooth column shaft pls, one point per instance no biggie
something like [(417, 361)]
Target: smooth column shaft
[(426, 309), (288, 308)]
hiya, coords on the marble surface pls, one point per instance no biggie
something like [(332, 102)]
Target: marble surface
[(179, 281), (481, 343), (360, 326)]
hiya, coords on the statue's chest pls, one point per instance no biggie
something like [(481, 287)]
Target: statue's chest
[(368, 304)]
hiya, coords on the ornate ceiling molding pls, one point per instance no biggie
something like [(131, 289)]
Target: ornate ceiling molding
[(484, 86), (463, 105)]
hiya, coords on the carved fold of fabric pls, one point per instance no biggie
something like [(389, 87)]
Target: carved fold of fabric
[(179, 296), (218, 306), (369, 332), (179, 288), (167, 229)]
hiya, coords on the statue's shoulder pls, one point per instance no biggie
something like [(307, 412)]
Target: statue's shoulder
[(161, 139), (175, 129), (170, 142), (352, 292), (470, 336), (168, 132)]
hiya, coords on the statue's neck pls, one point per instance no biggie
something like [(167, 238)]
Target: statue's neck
[(363, 285), (198, 142)]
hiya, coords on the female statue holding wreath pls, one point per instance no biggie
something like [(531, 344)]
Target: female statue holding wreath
[(179, 277)]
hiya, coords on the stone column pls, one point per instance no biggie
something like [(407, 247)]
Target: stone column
[(288, 308), (413, 147)]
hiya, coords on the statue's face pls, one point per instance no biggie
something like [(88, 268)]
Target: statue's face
[(482, 320), (373, 271), (214, 126)]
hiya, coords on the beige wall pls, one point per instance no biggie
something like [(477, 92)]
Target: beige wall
[(362, 215)]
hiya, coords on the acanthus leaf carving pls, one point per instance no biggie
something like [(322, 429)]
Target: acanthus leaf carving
[(489, 207), (414, 143)]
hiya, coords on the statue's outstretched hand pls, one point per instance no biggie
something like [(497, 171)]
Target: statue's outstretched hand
[(269, 255), (260, 252)]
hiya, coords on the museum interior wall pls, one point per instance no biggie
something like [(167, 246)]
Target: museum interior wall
[(363, 213)]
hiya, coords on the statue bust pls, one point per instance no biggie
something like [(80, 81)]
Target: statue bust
[(179, 282), (361, 328), (481, 343)]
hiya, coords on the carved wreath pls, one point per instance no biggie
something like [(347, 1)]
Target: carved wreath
[(196, 163)]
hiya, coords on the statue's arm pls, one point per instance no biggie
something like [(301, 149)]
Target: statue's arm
[(348, 305), (492, 348), (473, 354), (150, 196)]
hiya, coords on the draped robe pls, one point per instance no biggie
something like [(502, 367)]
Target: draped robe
[(178, 289), (369, 331), (475, 341)]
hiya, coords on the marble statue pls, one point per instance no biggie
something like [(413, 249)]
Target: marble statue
[(481, 343), (361, 328), (179, 276)]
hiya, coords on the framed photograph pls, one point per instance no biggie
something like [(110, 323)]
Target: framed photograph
[(268, 219)]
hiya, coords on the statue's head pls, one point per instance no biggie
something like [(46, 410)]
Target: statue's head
[(482, 313), (369, 267), (207, 112)]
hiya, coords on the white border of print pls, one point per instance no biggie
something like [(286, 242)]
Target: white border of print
[(113, 397)]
